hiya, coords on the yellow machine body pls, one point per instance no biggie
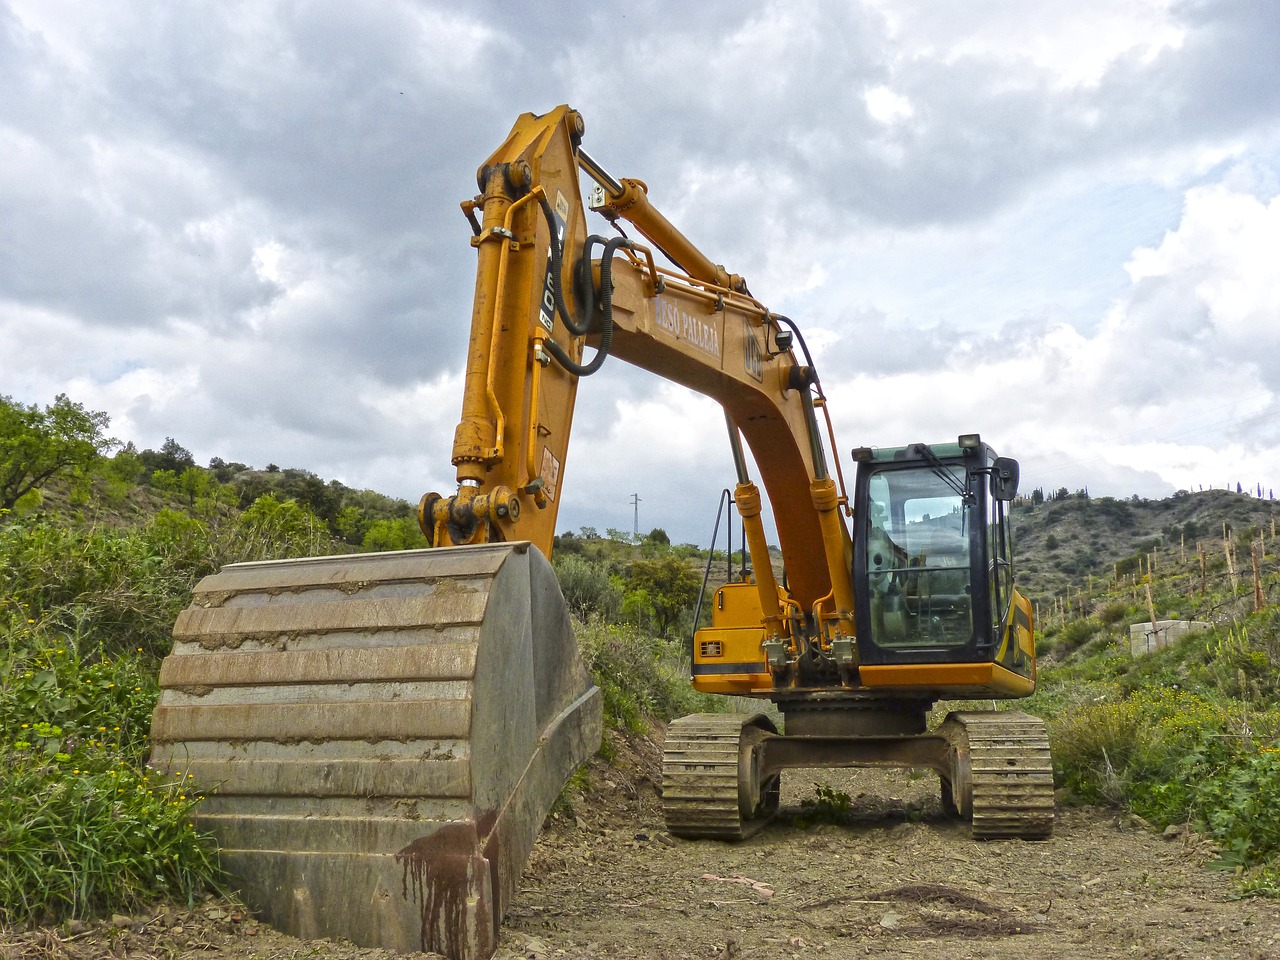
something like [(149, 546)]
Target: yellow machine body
[(384, 734)]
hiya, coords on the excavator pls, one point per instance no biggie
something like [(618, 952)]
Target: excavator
[(382, 735)]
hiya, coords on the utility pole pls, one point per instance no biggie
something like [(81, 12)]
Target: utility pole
[(635, 520)]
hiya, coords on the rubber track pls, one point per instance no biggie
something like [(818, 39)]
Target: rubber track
[(1012, 775), (700, 778)]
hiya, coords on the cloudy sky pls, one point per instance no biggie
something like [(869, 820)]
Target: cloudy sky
[(1055, 223)]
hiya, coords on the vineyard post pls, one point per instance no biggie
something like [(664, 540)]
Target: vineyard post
[(1258, 602), (1231, 564), (1151, 610)]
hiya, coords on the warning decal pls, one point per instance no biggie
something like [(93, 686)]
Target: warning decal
[(550, 472)]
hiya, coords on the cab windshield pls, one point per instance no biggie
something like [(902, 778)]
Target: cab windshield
[(918, 558)]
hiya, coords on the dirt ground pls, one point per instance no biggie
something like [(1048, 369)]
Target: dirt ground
[(895, 879)]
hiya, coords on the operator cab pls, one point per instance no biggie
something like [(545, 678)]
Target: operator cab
[(933, 569)]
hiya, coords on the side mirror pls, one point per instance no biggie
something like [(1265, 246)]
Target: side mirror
[(1004, 478)]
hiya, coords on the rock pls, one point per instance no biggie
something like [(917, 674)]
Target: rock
[(536, 948), (890, 920), (121, 922)]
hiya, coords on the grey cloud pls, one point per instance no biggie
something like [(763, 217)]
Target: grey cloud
[(982, 134), (141, 178), (870, 343)]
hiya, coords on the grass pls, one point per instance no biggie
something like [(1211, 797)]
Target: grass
[(85, 826), (85, 613), (85, 831), (1189, 734)]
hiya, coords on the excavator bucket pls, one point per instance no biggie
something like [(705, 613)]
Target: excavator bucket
[(380, 736)]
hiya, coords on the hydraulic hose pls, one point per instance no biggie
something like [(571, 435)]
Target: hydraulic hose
[(606, 306), (804, 348), (557, 260)]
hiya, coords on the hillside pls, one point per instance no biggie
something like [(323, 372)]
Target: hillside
[(94, 571), (1059, 544)]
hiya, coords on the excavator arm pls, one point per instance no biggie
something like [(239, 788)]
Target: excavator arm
[(542, 300)]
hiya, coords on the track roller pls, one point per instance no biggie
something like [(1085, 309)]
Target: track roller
[(1001, 774), (711, 782)]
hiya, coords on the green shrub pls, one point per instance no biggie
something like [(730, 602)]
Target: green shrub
[(47, 679), (1237, 666), (85, 826), (1240, 808), (1076, 633), (102, 587), (588, 588), (272, 529), (83, 831), (1263, 881), (1106, 751), (640, 677), (402, 533), (1113, 612), (826, 806)]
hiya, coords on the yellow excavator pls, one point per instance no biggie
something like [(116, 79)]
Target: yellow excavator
[(384, 734)]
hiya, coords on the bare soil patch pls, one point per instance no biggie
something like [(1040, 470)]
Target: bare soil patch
[(896, 879)]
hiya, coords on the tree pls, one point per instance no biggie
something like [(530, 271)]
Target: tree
[(171, 456), (195, 483), (37, 445), (305, 487), (587, 587), (399, 534), (670, 585), (350, 524), (166, 481)]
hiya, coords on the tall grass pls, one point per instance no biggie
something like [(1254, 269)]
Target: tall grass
[(85, 827), (86, 614)]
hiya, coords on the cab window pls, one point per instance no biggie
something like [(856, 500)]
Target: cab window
[(918, 559)]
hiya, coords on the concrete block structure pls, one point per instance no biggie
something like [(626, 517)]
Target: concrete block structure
[(1148, 637)]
